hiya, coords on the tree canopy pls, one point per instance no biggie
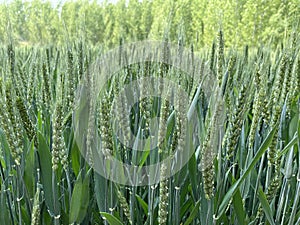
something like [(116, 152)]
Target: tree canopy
[(246, 22)]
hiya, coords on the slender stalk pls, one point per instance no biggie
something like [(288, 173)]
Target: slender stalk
[(7, 195)]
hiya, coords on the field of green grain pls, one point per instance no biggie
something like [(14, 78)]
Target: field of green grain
[(68, 108)]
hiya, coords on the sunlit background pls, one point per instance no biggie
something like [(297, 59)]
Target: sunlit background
[(56, 3)]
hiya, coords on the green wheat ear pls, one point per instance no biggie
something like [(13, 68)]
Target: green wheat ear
[(164, 113), (293, 84), (163, 197), (275, 104), (212, 56), (209, 146), (36, 211), (220, 57), (71, 81), (208, 171), (105, 126), (259, 96), (124, 206), (235, 124), (15, 134), (11, 58), (59, 154), (207, 167), (27, 124), (46, 91)]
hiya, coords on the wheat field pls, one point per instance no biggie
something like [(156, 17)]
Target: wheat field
[(244, 162)]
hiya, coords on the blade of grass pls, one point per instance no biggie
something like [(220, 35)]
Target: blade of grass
[(142, 203), (112, 220), (239, 208), (265, 205), (80, 199), (193, 214)]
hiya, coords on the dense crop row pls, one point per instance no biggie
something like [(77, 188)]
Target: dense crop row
[(245, 163)]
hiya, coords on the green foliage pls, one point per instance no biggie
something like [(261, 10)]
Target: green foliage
[(219, 184), (243, 22)]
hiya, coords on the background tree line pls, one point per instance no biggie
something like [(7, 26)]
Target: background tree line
[(244, 22)]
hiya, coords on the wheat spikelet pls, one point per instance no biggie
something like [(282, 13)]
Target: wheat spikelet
[(58, 144), (91, 117), (292, 85), (11, 58), (163, 197), (208, 149), (164, 113), (235, 124), (124, 206), (220, 61), (274, 103), (46, 90), (257, 105), (30, 83), (71, 81), (27, 124), (35, 215), (105, 126), (16, 142), (212, 56), (181, 122), (144, 103), (207, 166)]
